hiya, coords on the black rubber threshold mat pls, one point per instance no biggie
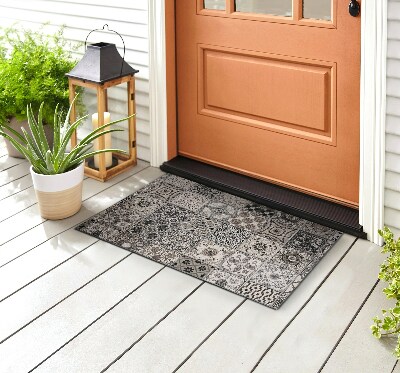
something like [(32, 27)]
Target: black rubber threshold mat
[(342, 218)]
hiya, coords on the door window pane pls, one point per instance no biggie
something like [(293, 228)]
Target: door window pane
[(215, 4), (317, 9), (273, 7)]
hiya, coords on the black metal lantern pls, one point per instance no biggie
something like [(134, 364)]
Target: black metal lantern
[(101, 68)]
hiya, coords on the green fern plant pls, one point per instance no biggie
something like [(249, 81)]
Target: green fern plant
[(33, 65), (389, 323), (55, 160)]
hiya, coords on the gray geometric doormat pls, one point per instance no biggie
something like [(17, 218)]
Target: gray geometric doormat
[(252, 250)]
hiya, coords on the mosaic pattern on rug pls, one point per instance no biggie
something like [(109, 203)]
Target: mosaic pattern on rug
[(250, 249)]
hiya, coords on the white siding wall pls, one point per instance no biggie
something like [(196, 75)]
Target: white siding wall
[(128, 17), (392, 191)]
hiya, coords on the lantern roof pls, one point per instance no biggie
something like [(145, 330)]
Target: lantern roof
[(101, 63)]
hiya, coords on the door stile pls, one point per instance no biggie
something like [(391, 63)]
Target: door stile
[(230, 6), (297, 10), (199, 6)]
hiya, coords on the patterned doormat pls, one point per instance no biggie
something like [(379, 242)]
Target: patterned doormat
[(252, 250)]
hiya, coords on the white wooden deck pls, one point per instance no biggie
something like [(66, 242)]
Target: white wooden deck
[(71, 303)]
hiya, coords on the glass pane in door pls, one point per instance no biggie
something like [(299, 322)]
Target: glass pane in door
[(273, 7), (215, 4), (317, 9)]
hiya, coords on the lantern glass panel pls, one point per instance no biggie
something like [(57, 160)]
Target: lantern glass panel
[(118, 109), (86, 125)]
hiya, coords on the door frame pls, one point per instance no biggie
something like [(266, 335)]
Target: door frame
[(162, 96)]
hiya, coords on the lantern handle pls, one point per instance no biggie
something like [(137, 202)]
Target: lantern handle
[(108, 29)]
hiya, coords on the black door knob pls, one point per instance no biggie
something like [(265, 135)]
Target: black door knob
[(354, 8)]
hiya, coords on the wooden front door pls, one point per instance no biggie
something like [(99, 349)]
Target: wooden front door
[(270, 89)]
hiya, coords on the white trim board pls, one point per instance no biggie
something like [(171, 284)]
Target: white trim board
[(373, 116), (372, 105), (157, 83)]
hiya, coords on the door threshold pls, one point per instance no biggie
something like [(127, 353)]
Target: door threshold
[(330, 214)]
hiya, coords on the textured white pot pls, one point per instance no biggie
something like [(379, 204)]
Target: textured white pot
[(59, 196)]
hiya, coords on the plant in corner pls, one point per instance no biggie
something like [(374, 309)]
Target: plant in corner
[(57, 174), (33, 66), (389, 323)]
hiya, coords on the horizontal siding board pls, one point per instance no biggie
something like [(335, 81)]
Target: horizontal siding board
[(393, 49), (126, 14), (396, 232), (393, 125), (394, 10), (393, 144), (392, 177), (392, 217), (393, 106), (393, 87), (394, 30), (80, 17), (78, 34), (75, 21), (134, 4), (393, 68), (392, 181), (392, 199), (392, 162)]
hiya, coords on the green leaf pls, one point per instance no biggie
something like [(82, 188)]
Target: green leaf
[(91, 154), (14, 132), (56, 130), (49, 163), (90, 136), (32, 145), (375, 331)]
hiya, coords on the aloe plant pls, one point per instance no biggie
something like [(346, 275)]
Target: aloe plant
[(47, 161)]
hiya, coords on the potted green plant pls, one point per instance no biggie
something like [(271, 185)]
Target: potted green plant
[(57, 174), (33, 67), (389, 323)]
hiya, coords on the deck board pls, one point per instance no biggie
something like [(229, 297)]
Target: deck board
[(45, 257), (17, 203), (180, 333), (257, 325), (56, 285), (123, 325), (3, 151), (14, 173), (15, 186), (371, 355), (7, 162), (56, 327), (309, 339)]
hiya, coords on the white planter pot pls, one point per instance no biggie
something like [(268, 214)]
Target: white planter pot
[(59, 196)]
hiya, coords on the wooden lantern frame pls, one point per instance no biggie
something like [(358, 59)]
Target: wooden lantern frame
[(124, 161)]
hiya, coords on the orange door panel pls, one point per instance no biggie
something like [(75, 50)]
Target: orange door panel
[(273, 97)]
